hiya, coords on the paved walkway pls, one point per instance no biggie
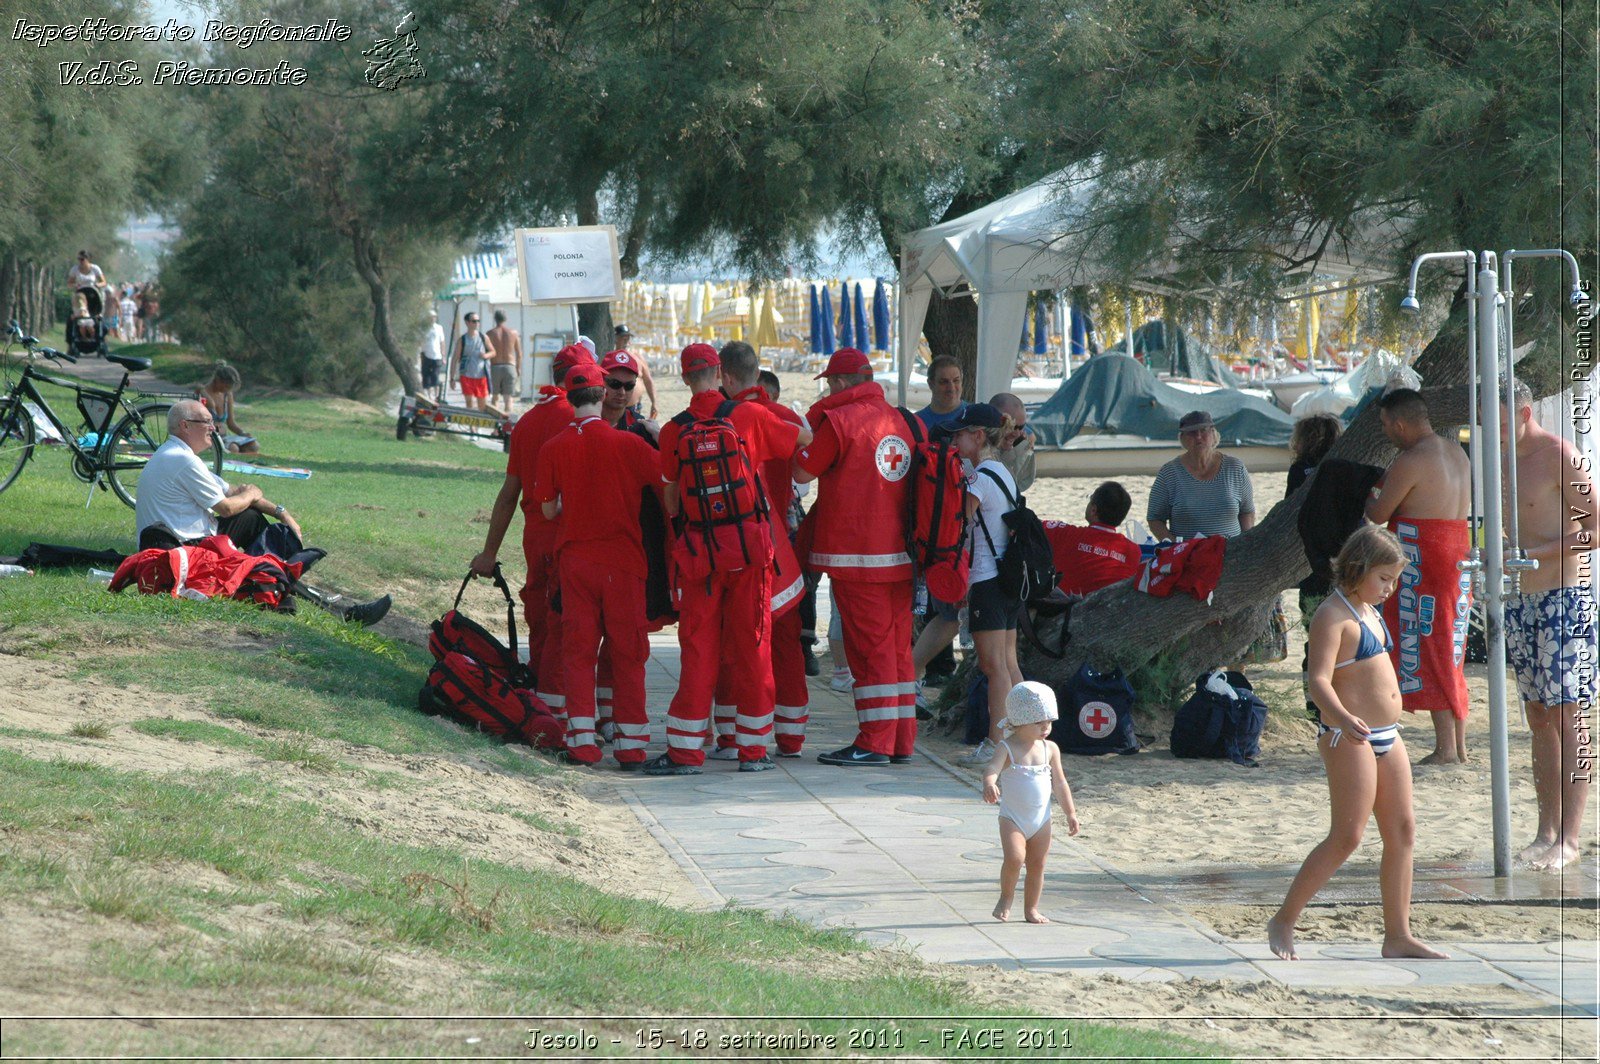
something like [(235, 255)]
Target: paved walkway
[(910, 855)]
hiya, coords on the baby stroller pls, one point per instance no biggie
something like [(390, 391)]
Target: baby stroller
[(86, 329)]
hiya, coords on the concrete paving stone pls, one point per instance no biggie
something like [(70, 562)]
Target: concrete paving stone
[(1091, 968), (1031, 943), (1328, 973), (1260, 951), (1575, 949), (1503, 951), (1453, 972), (718, 844)]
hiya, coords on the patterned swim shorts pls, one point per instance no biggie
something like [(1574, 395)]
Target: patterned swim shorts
[(1550, 639)]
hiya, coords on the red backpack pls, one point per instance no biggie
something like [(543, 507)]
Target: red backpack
[(722, 507), (455, 631), (479, 682), (936, 530)]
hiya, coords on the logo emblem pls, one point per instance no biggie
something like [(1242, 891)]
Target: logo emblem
[(893, 458), (622, 358), (1096, 720)]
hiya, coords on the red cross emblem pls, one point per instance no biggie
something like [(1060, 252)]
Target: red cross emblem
[(893, 458), (1096, 719)]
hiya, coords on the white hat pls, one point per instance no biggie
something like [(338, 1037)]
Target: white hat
[(1030, 702), (586, 342)]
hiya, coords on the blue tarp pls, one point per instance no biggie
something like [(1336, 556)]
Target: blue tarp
[(1116, 394)]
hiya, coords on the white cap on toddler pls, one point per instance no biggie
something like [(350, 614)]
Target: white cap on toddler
[(1030, 702)]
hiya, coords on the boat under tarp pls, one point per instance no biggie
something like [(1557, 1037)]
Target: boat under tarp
[(1115, 395)]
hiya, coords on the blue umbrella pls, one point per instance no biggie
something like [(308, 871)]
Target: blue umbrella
[(880, 317), (847, 333), (816, 323), (1041, 330), (826, 318), (861, 317), (1080, 332)]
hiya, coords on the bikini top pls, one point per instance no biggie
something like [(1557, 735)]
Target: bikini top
[(1368, 646)]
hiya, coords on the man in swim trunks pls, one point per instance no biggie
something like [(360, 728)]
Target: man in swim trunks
[(469, 365), (1424, 498), (505, 356), (1550, 630)]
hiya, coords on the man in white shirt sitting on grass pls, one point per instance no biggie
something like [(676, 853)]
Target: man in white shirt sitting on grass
[(181, 501)]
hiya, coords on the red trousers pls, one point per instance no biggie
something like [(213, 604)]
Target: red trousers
[(792, 697), (600, 604), (539, 557), (877, 642), (724, 639)]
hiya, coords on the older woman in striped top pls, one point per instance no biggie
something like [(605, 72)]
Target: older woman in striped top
[(1202, 492)]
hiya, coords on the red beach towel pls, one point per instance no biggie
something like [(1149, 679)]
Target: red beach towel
[(1427, 615)]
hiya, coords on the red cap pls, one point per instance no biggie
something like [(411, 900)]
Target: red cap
[(584, 375), (699, 356), (620, 360), (569, 356), (846, 360)]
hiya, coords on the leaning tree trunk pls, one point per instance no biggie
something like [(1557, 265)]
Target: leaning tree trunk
[(952, 329), (1121, 626), (366, 259)]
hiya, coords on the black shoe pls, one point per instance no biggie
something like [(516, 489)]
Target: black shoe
[(663, 765), (760, 764), (367, 614), (901, 759), (853, 755), (813, 667), (923, 714), (629, 766)]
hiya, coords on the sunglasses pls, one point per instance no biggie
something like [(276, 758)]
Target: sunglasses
[(621, 386)]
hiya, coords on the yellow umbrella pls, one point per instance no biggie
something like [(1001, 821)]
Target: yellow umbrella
[(1352, 320), (1313, 324), (707, 301), (767, 319)]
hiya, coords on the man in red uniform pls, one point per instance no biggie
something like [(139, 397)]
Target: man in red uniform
[(741, 379), (723, 568), (591, 475), (856, 533), (621, 372), (1097, 556), (549, 414)]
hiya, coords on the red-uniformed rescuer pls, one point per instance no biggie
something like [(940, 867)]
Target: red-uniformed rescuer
[(722, 556), (856, 533), (550, 413), (591, 475), (741, 371)]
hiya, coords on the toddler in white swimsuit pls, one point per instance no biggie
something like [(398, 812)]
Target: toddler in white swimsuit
[(1024, 771)]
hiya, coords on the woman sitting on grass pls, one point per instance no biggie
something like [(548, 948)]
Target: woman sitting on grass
[(1353, 684), (218, 395)]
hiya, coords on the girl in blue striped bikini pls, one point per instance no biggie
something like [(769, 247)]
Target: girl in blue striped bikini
[(1353, 684)]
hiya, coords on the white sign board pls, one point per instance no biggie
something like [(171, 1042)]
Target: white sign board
[(577, 264)]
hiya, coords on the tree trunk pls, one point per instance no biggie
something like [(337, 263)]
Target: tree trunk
[(952, 329), (366, 259), (30, 300), (594, 319), (8, 286), (1121, 626)]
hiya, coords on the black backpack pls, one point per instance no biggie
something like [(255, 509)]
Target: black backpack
[(1211, 725), (1028, 567)]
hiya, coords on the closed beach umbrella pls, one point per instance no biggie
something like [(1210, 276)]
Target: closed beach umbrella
[(827, 322), (1080, 332), (847, 331), (861, 317), (816, 322), (767, 319), (1041, 329), (880, 317), (707, 301)]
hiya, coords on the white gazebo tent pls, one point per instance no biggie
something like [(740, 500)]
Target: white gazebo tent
[(1046, 237)]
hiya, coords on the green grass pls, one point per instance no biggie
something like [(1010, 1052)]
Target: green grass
[(534, 820), (534, 943)]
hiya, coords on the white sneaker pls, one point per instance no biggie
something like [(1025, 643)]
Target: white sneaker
[(842, 680), (922, 699), (725, 753), (980, 754)]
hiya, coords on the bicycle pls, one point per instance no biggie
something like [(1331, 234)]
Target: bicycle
[(101, 454)]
